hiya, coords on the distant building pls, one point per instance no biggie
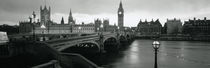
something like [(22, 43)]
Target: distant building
[(45, 15), (25, 27), (164, 29), (106, 26), (51, 27), (84, 28), (98, 23), (197, 27), (149, 28), (173, 26)]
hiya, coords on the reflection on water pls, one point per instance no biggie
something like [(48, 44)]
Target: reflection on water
[(172, 54)]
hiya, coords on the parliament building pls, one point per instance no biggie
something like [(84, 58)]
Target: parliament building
[(46, 26)]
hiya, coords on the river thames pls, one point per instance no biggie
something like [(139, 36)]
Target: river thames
[(172, 54)]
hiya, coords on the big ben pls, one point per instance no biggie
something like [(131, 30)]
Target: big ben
[(120, 13)]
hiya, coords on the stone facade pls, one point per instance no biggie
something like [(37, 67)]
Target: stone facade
[(173, 26), (63, 28), (45, 15), (197, 27), (25, 27), (52, 27), (149, 28), (106, 26), (84, 28)]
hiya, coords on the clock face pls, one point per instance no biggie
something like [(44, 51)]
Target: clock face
[(120, 12)]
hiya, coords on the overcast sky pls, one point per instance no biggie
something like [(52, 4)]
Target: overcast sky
[(13, 11)]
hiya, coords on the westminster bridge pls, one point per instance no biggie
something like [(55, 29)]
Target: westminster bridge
[(60, 50)]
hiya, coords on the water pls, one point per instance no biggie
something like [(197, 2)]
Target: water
[(172, 54)]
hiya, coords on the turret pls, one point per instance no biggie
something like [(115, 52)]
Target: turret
[(45, 15), (204, 18), (70, 19), (40, 8), (62, 21), (140, 21), (145, 20)]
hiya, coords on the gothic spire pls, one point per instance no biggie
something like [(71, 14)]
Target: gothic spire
[(120, 7), (40, 7), (34, 14), (62, 21), (70, 14), (45, 7), (120, 4), (70, 19)]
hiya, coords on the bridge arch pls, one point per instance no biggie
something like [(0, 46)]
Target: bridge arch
[(123, 40), (111, 44)]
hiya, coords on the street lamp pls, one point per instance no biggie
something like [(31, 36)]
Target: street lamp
[(79, 29), (101, 27), (97, 30), (43, 27), (156, 45), (118, 29), (125, 30), (34, 17), (101, 38)]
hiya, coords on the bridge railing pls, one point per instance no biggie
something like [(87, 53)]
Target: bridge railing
[(50, 64), (69, 39)]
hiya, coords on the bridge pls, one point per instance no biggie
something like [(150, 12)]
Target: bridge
[(98, 42), (59, 45)]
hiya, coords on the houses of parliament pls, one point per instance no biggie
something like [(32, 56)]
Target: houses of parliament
[(46, 26)]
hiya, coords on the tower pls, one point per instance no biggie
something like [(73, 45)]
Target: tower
[(70, 19), (106, 25), (62, 21), (120, 13), (98, 23), (45, 15)]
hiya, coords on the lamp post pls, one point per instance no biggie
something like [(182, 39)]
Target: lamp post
[(101, 38), (125, 30), (156, 45), (101, 27), (43, 27), (97, 30), (34, 17), (118, 29), (79, 29)]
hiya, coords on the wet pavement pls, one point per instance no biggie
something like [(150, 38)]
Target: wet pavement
[(172, 54)]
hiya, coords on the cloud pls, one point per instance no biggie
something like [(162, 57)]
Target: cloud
[(88, 10)]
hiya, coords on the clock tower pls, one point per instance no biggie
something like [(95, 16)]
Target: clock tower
[(120, 14)]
